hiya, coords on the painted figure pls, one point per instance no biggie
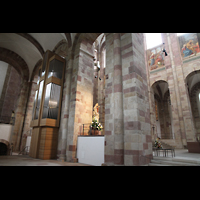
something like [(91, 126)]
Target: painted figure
[(160, 58), (196, 48), (152, 57), (186, 51), (190, 45), (95, 113)]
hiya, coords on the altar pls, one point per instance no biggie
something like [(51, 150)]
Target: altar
[(90, 149)]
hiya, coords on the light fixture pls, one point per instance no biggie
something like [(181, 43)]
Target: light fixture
[(163, 50), (98, 69)]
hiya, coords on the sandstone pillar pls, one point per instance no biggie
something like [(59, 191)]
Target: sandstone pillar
[(29, 112), (81, 95), (137, 130), (137, 143), (186, 120), (118, 103), (62, 144), (19, 116)]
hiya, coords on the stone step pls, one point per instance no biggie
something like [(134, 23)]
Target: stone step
[(178, 159), (173, 163), (192, 161), (159, 161), (156, 164)]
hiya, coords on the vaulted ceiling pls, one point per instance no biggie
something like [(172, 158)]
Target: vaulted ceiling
[(30, 47), (160, 88)]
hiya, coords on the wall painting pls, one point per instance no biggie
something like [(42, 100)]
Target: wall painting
[(155, 57), (189, 45)]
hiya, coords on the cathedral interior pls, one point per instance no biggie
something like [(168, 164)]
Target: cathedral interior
[(56, 88)]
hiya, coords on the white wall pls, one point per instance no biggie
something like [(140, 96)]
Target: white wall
[(5, 131), (3, 71), (90, 150)]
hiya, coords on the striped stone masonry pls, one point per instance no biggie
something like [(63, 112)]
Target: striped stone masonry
[(81, 95), (137, 132), (175, 75)]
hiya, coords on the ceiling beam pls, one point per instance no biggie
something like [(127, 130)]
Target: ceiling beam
[(33, 41), (68, 36)]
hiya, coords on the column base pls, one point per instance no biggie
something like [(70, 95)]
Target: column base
[(193, 147), (62, 157)]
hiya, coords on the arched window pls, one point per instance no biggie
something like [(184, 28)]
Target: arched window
[(153, 39)]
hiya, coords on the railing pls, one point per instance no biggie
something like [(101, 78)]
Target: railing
[(88, 130), (7, 120)]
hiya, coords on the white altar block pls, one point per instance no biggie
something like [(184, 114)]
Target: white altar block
[(90, 150)]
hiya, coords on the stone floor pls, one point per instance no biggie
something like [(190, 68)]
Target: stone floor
[(25, 160), (183, 153)]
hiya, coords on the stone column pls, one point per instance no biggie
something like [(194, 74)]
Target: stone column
[(173, 89), (183, 125), (182, 96), (29, 111), (81, 95), (137, 130), (132, 105), (101, 91), (62, 143), (118, 103), (19, 116), (109, 99), (151, 98), (114, 125)]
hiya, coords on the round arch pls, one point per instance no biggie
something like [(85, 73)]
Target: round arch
[(194, 69), (69, 39), (190, 74), (192, 79), (162, 109), (192, 82), (7, 144), (16, 61), (83, 37), (157, 81), (61, 48), (37, 65)]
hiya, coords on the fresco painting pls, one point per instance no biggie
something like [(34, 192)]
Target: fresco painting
[(189, 45), (155, 57)]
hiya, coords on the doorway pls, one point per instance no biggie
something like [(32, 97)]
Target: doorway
[(3, 149)]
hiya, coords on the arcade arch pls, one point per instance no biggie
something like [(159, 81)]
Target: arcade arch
[(162, 110), (193, 86)]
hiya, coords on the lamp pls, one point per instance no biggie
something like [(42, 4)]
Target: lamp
[(163, 50), (98, 69)]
